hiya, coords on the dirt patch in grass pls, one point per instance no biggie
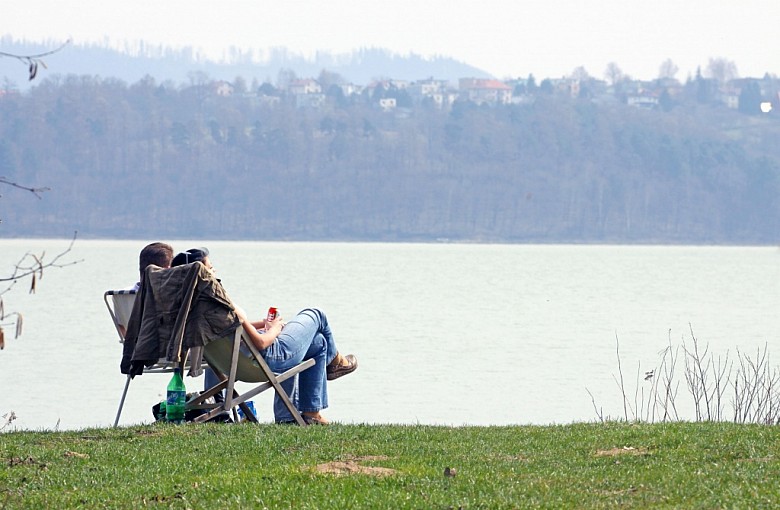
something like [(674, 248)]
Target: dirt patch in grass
[(354, 466), (625, 450), (28, 461), (149, 432)]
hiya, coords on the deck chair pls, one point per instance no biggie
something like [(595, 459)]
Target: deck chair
[(235, 359), (199, 299), (120, 304)]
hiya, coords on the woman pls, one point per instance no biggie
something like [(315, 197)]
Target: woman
[(284, 345)]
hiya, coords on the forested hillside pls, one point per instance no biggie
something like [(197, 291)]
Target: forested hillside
[(146, 160), (166, 64)]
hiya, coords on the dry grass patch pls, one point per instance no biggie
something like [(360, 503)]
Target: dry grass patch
[(76, 454), (625, 450), (354, 466)]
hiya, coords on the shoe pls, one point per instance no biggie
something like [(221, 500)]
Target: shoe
[(338, 368), (311, 420)]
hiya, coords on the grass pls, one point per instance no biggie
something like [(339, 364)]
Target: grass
[(666, 465)]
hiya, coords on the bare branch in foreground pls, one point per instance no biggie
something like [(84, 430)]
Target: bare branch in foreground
[(29, 265), (33, 61), (33, 265), (8, 418), (35, 191)]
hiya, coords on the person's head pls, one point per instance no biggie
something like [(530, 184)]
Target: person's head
[(159, 254), (192, 255)]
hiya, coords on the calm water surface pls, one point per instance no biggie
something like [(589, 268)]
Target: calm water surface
[(445, 334)]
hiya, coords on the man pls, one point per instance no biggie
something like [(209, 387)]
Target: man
[(159, 254)]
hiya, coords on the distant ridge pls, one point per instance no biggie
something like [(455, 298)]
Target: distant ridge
[(360, 67)]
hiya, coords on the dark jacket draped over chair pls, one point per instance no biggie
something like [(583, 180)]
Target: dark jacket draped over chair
[(155, 329)]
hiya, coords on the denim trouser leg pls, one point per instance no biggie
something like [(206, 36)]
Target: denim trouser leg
[(211, 380), (305, 336)]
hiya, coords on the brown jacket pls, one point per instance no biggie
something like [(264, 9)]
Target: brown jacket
[(176, 309)]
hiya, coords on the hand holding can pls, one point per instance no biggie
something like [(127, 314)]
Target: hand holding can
[(273, 313)]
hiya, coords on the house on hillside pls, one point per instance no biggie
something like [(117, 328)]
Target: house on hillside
[(304, 86), (436, 91), (385, 85), (643, 99), (349, 89), (387, 104), (380, 92), (306, 93), (484, 91), (223, 88)]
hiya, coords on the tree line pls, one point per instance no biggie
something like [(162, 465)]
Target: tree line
[(158, 160)]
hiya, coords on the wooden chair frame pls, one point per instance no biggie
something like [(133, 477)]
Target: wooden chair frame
[(245, 367)]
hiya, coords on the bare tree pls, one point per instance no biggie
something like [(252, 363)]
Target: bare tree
[(327, 78), (613, 73), (668, 69), (284, 78), (239, 85), (580, 74), (721, 69)]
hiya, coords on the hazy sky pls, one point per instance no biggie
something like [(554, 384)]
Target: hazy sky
[(508, 38)]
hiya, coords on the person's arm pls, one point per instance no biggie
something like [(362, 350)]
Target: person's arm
[(260, 340), (259, 324)]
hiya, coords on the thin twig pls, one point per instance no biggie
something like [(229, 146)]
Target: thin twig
[(599, 412), (8, 417), (620, 371), (35, 191), (32, 61), (21, 270)]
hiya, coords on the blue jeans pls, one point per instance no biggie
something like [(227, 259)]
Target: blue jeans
[(212, 380), (305, 336)]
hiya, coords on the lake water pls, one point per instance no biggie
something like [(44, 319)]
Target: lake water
[(445, 333)]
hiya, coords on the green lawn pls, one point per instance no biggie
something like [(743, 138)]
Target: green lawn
[(679, 465)]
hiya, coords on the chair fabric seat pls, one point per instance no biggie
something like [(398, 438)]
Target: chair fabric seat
[(218, 352)]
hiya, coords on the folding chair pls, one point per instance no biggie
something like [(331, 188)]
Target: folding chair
[(120, 304), (232, 364)]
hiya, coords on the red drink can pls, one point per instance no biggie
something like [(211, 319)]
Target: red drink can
[(272, 314)]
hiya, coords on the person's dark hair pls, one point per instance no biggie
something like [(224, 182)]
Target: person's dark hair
[(159, 254), (189, 256)]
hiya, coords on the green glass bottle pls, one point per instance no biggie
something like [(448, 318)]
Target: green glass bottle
[(176, 398)]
